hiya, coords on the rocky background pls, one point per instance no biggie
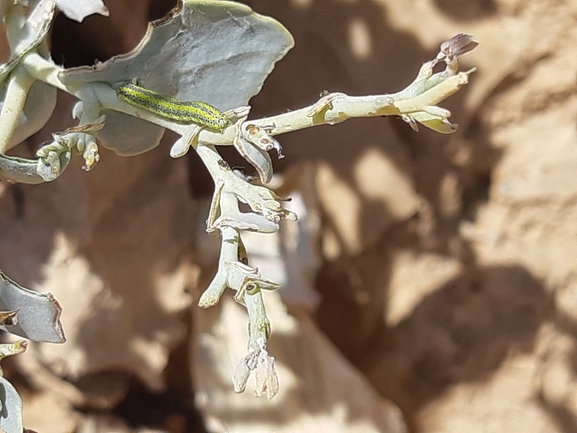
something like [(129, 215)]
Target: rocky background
[(431, 285)]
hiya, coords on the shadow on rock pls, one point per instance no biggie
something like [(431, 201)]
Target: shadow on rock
[(462, 332)]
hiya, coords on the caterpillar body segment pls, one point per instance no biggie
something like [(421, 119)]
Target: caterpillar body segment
[(175, 110)]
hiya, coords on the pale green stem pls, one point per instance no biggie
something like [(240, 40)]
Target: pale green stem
[(345, 107), (43, 69), (259, 325), (16, 93), (342, 108)]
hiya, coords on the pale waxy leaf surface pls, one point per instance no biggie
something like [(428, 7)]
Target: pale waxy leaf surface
[(38, 313), (77, 10), (38, 108), (10, 408), (218, 52), (26, 32)]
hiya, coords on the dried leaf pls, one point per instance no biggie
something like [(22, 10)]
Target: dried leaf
[(241, 375), (266, 377), (458, 45), (8, 317), (13, 348)]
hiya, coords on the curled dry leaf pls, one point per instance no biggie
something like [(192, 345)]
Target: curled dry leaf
[(458, 45), (8, 317)]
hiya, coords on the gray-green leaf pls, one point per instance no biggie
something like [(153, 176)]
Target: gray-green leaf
[(217, 52), (38, 313), (11, 408)]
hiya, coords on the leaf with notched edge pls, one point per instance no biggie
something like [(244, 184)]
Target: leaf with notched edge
[(38, 313)]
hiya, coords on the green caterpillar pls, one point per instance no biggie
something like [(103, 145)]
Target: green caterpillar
[(175, 110)]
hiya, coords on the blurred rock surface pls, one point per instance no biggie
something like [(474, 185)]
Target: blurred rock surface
[(447, 263)]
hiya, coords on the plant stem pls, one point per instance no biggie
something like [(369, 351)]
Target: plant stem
[(16, 93)]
